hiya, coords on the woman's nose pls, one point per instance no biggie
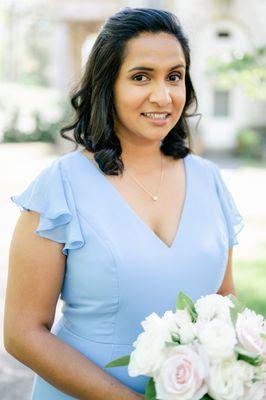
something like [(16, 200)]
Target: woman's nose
[(160, 95)]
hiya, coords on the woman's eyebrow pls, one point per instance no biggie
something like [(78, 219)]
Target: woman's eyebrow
[(152, 69)]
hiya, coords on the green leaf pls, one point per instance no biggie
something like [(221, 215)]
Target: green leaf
[(119, 362), (175, 337), (185, 303), (263, 335), (171, 344), (238, 308), (206, 397), (251, 358), (254, 380), (150, 392)]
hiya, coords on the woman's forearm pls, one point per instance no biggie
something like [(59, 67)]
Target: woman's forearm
[(67, 369)]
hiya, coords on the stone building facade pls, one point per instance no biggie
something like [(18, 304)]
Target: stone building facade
[(215, 28)]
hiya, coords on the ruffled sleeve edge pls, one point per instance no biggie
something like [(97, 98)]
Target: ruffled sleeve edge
[(61, 225)]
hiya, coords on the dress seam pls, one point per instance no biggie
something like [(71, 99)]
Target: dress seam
[(109, 247)]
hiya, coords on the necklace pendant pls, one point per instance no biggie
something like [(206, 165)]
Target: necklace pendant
[(154, 198)]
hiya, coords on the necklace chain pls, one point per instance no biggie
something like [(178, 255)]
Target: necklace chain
[(153, 196)]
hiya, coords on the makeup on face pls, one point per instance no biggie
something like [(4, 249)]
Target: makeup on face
[(150, 89)]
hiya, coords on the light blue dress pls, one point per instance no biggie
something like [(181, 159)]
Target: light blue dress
[(118, 271)]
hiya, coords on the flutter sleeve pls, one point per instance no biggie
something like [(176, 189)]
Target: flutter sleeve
[(50, 195), (233, 218)]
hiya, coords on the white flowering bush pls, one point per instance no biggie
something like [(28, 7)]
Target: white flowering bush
[(214, 349)]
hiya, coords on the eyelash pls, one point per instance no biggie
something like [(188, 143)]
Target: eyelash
[(137, 75)]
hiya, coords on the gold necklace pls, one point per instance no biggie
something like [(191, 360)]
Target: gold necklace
[(156, 196)]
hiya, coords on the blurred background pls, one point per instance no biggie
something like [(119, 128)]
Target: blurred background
[(43, 48)]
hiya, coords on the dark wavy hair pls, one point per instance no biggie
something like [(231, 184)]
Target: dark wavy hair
[(93, 100)]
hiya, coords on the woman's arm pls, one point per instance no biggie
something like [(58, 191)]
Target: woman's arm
[(228, 286), (35, 277)]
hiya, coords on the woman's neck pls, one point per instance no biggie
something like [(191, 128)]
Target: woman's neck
[(141, 159)]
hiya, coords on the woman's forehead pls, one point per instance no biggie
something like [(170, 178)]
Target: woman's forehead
[(151, 49)]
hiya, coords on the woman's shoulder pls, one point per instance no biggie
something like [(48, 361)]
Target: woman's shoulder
[(201, 163), (66, 159), (234, 219), (69, 165)]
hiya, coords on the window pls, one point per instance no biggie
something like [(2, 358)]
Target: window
[(155, 3), (221, 103)]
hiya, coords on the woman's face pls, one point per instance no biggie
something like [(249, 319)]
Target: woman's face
[(151, 81)]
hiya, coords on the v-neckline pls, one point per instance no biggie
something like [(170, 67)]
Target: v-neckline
[(134, 213)]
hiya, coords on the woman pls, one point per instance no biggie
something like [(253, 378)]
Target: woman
[(117, 227)]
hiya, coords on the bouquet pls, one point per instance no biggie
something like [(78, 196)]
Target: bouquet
[(214, 349)]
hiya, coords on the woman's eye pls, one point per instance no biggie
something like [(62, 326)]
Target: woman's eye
[(176, 75), (138, 76)]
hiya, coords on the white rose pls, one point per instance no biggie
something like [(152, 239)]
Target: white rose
[(263, 371), (225, 381), (249, 373), (249, 328), (179, 317), (217, 338), (188, 333), (214, 306), (180, 322), (149, 347), (182, 375), (256, 392)]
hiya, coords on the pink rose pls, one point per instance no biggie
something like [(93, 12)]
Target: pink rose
[(182, 375), (251, 331)]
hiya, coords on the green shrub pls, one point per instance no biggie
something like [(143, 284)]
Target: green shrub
[(31, 113), (43, 132), (249, 143)]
